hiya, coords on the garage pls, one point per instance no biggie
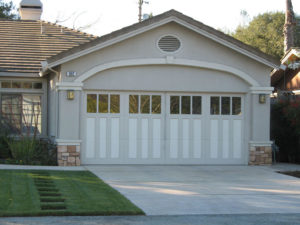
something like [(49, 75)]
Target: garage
[(163, 128), (169, 90)]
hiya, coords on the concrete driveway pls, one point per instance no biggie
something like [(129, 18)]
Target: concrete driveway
[(188, 190)]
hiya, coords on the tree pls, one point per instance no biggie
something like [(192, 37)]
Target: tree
[(297, 31), (264, 32), (289, 26), (6, 10)]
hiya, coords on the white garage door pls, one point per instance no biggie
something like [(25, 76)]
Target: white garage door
[(160, 128)]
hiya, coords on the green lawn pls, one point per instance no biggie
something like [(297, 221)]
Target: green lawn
[(39, 193)]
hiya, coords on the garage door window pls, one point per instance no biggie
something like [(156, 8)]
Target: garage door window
[(185, 104), (223, 104), (106, 103), (114, 103), (133, 104), (197, 102), (91, 103), (143, 103), (225, 110), (174, 104), (103, 104), (236, 106), (156, 104)]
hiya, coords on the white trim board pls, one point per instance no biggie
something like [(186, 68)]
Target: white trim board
[(68, 142)]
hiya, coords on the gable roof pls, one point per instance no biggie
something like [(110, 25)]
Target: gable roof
[(156, 21), (292, 55), (25, 43)]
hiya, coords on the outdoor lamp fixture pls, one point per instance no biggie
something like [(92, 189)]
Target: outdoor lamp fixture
[(262, 98), (70, 94)]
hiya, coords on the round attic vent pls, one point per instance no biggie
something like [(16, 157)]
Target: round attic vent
[(169, 43)]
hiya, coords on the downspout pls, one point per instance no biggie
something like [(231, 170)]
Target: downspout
[(45, 67)]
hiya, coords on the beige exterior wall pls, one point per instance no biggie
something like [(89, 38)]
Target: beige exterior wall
[(194, 47), (166, 78), (163, 78)]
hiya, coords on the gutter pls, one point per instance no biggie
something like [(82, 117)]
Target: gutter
[(45, 67), (281, 67)]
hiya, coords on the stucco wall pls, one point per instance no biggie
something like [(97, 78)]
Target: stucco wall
[(194, 47), (166, 78), (260, 123), (52, 105), (172, 78), (69, 116)]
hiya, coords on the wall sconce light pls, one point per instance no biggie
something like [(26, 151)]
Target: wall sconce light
[(262, 98), (70, 94)]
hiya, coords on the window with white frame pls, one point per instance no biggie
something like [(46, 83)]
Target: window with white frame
[(21, 113), (186, 104), (225, 105), (145, 104), (103, 103)]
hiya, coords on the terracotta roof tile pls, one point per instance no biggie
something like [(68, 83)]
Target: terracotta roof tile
[(25, 43)]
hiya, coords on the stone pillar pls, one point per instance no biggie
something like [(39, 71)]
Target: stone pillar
[(260, 155), (68, 155)]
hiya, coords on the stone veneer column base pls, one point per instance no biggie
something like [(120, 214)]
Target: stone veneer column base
[(68, 155), (260, 155)]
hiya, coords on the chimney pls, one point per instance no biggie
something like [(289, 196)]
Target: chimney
[(31, 9), (289, 26)]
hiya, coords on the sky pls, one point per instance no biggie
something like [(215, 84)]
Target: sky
[(106, 16)]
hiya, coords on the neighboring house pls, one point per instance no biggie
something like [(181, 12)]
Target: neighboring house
[(23, 45), (168, 90), (286, 80)]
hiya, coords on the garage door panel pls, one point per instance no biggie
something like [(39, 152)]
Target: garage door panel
[(193, 134), (214, 138), (102, 137), (185, 138), (145, 138), (157, 136), (132, 138), (174, 140), (115, 138), (90, 137), (237, 139), (197, 138), (225, 139)]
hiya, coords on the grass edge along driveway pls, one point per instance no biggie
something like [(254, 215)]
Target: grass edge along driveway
[(59, 193)]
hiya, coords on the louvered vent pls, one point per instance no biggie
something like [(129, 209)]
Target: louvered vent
[(169, 43)]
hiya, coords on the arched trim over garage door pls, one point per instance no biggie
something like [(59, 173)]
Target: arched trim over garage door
[(167, 61)]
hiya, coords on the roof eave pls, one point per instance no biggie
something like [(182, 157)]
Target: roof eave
[(293, 51)]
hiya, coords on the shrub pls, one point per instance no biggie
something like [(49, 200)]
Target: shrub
[(285, 129), (4, 148), (31, 151), (45, 153), (22, 150)]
